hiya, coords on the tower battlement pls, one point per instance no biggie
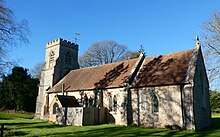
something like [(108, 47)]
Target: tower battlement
[(61, 42)]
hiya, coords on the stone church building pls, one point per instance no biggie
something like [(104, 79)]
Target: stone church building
[(160, 91)]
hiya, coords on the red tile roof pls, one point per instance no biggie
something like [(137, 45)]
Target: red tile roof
[(164, 69), (105, 76), (155, 71)]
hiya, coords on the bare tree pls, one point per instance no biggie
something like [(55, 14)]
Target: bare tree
[(11, 32), (211, 47), (103, 52), (36, 70)]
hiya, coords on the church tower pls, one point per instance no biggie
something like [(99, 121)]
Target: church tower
[(61, 57)]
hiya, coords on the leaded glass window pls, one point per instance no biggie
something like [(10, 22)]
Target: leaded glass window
[(115, 103), (155, 104)]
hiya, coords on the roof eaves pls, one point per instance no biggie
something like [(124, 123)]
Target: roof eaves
[(183, 83)]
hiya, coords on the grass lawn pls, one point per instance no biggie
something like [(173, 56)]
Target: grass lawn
[(25, 125)]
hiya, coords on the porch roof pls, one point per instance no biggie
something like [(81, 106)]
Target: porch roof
[(68, 101)]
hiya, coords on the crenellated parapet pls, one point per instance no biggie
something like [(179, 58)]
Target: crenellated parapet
[(61, 42)]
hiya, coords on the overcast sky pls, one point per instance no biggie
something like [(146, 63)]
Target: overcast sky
[(161, 26)]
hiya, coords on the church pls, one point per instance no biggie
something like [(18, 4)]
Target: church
[(160, 91)]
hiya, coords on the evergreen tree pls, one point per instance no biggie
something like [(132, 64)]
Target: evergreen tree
[(214, 101), (18, 90)]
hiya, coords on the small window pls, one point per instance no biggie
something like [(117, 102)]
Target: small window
[(86, 101), (55, 107), (96, 98), (110, 103), (115, 103), (155, 104), (90, 102)]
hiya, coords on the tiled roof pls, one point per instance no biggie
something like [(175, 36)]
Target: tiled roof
[(155, 71), (164, 69), (105, 76), (68, 101)]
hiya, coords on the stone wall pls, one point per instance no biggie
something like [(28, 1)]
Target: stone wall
[(188, 107), (80, 116), (120, 115), (169, 97), (201, 96), (75, 116), (169, 110)]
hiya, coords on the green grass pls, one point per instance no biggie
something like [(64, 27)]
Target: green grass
[(25, 125), (215, 115)]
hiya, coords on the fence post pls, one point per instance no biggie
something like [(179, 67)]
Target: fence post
[(2, 129)]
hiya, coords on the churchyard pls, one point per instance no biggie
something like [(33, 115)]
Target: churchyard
[(17, 124)]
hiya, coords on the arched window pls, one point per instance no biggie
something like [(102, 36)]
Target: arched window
[(110, 103), (96, 98), (55, 107), (155, 104), (90, 102), (115, 103), (86, 101)]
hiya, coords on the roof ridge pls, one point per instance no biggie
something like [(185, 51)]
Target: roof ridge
[(133, 59), (178, 52), (105, 64)]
